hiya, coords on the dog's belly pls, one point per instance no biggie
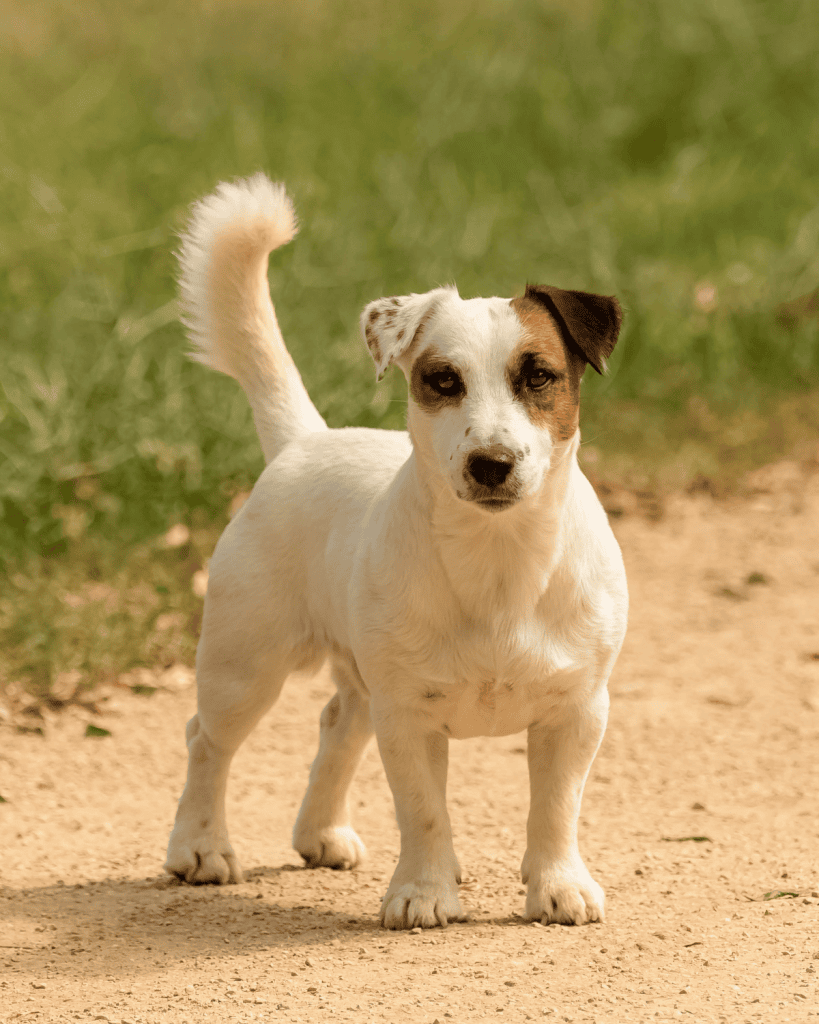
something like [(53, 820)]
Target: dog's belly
[(493, 707)]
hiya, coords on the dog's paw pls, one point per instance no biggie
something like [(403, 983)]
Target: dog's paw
[(332, 847), (563, 893), (421, 905), (203, 860)]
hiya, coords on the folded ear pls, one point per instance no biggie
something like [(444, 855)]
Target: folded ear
[(590, 323), (393, 325)]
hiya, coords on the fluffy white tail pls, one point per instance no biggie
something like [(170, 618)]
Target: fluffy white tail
[(227, 309)]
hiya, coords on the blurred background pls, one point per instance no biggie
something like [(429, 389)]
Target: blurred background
[(667, 153)]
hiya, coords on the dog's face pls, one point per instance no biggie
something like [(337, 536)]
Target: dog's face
[(494, 383)]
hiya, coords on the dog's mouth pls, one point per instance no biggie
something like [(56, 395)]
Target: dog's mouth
[(490, 502), (495, 504), (492, 499)]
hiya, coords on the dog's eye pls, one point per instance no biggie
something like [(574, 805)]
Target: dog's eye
[(538, 378), (445, 382)]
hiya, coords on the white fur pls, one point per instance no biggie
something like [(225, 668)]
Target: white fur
[(226, 303), (441, 619)]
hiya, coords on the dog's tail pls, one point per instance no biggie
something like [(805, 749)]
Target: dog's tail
[(226, 303)]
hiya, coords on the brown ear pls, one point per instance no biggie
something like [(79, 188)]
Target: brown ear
[(589, 323)]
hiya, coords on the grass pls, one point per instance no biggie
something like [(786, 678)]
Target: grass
[(666, 153), (86, 618)]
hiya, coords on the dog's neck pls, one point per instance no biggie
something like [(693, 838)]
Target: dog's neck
[(502, 560)]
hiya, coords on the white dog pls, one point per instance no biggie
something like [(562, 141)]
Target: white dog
[(462, 578)]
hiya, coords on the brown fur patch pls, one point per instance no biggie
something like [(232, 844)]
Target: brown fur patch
[(431, 361), (556, 405), (332, 711), (590, 324), (373, 342)]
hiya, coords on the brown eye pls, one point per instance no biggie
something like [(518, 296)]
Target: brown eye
[(444, 382), (537, 379)]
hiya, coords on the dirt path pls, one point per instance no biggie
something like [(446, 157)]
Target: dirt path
[(714, 732)]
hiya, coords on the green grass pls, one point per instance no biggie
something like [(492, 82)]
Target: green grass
[(639, 147)]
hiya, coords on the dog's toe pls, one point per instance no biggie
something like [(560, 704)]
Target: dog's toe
[(565, 894), (335, 847), (421, 905), (203, 862)]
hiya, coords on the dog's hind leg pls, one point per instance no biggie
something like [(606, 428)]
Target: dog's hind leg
[(323, 834), (239, 677)]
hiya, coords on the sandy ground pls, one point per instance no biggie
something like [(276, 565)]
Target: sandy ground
[(714, 732)]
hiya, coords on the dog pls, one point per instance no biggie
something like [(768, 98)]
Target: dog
[(461, 578)]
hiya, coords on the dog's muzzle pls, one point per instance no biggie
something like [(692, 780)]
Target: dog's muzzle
[(487, 471)]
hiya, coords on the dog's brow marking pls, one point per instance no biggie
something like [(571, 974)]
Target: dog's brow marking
[(428, 362), (555, 406), (468, 431)]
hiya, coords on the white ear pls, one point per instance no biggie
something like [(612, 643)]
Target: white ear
[(391, 326)]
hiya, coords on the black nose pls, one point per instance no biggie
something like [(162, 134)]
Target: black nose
[(490, 472)]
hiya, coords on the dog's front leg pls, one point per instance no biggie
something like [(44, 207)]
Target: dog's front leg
[(560, 887), (424, 888)]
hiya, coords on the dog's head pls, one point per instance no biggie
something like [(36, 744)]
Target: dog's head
[(494, 383)]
